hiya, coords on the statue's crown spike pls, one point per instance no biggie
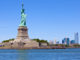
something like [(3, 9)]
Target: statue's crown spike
[(22, 4)]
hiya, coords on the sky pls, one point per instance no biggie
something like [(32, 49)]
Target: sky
[(46, 19)]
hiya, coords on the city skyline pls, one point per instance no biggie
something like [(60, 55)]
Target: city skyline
[(47, 19)]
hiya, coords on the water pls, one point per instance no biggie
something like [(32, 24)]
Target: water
[(40, 54)]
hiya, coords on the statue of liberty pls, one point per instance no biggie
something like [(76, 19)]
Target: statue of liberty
[(23, 17)]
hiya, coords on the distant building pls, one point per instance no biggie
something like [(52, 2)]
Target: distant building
[(43, 44), (1, 44), (72, 42), (66, 41), (55, 41), (76, 38), (51, 42)]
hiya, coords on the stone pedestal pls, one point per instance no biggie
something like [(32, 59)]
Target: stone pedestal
[(22, 34), (22, 40)]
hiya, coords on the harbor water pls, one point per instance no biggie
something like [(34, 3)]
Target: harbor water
[(40, 54)]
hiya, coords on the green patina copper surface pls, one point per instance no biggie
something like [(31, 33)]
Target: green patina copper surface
[(23, 17)]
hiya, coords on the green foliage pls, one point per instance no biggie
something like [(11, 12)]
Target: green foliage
[(66, 45), (40, 41), (55, 44), (36, 40), (61, 45), (76, 45), (7, 40)]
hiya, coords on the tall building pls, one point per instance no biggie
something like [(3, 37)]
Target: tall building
[(66, 41), (76, 38)]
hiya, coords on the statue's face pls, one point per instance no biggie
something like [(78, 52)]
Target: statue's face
[(22, 11)]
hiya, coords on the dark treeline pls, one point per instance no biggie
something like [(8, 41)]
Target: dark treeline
[(38, 40), (42, 41), (8, 40)]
